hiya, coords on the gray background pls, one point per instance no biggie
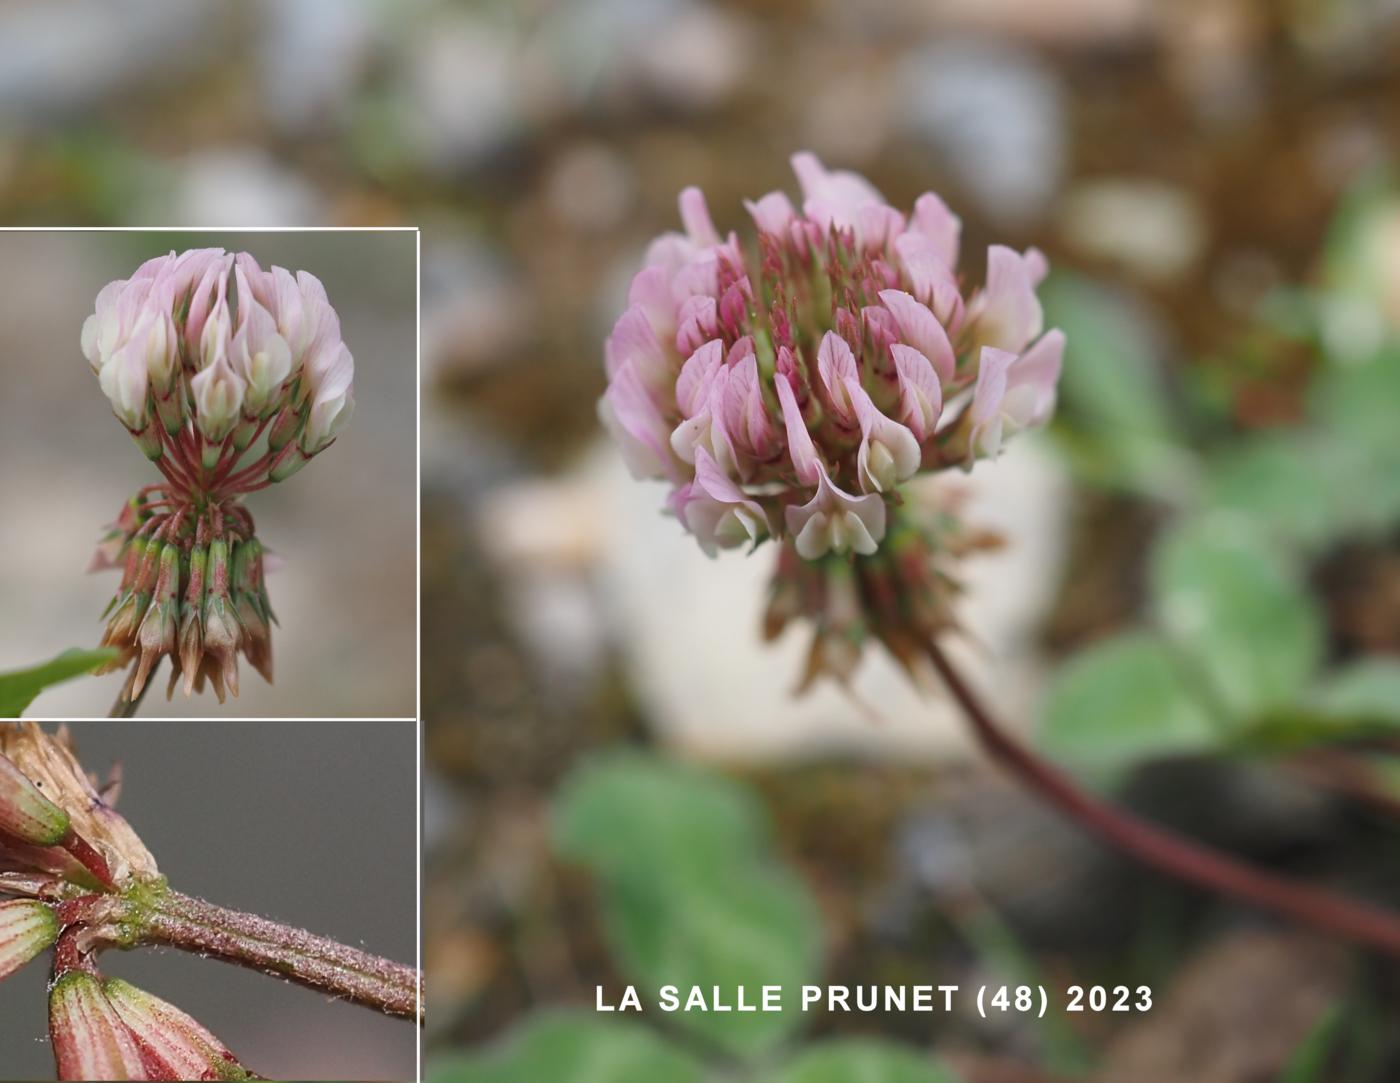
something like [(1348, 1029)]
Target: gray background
[(345, 525), (312, 823)]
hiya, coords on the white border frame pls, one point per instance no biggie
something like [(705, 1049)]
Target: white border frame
[(417, 443), (416, 720)]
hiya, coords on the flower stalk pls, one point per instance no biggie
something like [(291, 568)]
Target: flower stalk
[(181, 921), (1163, 850)]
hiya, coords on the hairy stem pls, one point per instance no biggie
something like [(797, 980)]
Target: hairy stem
[(192, 924), (1168, 852)]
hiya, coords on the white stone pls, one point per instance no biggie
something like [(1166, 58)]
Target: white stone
[(688, 628)]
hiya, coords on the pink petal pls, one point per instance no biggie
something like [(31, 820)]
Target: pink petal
[(698, 372), (773, 213), (921, 393), (920, 328), (699, 322), (833, 198), (991, 381), (940, 226), (800, 447), (834, 521), (1039, 369), (1008, 313), (641, 432), (633, 341), (695, 216), (877, 225), (835, 362), (714, 482), (651, 289), (931, 279), (895, 438), (985, 412), (745, 416)]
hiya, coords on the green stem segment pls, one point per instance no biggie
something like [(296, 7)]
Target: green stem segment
[(1167, 852), (191, 924), (126, 705)]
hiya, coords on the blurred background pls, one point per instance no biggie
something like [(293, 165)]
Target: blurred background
[(345, 595), (309, 823), (1196, 609)]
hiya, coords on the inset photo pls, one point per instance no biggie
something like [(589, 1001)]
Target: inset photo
[(209, 901), (210, 443)]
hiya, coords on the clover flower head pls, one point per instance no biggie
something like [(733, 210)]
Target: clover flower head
[(809, 375), (787, 388), (230, 378)]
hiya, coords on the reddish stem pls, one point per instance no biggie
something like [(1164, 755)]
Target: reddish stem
[(1165, 851), (88, 857), (68, 954), (281, 950), (223, 470), (168, 466), (254, 472)]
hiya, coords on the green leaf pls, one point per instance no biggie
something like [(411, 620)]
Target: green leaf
[(576, 1047), (631, 811), (19, 687), (1355, 403), (1365, 691), (1112, 417), (1238, 613), (863, 1061), (1120, 702), (1286, 483), (1356, 400), (692, 894)]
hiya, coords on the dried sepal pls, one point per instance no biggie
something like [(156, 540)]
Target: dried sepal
[(47, 760)]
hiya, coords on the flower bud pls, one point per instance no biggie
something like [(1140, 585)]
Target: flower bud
[(244, 432), (330, 374), (218, 396), (27, 927), (189, 1050), (25, 813), (258, 353), (285, 429), (89, 1039), (125, 382), (157, 341), (289, 464), (102, 329), (171, 407), (148, 440), (209, 288)]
